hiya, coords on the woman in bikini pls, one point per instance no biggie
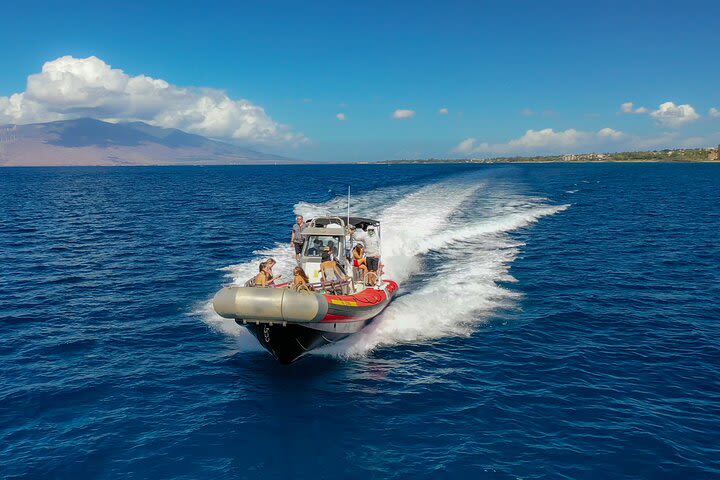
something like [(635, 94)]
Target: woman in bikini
[(265, 278), (359, 260), (300, 280), (330, 272), (270, 262)]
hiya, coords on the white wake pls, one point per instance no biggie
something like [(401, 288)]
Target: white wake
[(449, 240)]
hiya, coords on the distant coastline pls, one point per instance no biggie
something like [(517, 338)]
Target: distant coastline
[(691, 155), (91, 142)]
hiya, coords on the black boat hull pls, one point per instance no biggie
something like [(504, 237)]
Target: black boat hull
[(290, 342), (289, 324)]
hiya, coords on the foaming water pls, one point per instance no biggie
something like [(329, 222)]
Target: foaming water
[(446, 243), (452, 259)]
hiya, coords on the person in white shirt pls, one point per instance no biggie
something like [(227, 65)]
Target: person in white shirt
[(372, 247)]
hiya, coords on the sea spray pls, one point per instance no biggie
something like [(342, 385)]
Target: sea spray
[(462, 290), (446, 243)]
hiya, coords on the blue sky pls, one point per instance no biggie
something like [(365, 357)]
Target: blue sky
[(560, 69)]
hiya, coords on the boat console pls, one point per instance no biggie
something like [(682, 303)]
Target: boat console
[(333, 235)]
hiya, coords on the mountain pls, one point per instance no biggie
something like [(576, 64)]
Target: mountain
[(86, 141)]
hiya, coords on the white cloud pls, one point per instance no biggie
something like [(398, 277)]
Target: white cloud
[(674, 116), (528, 112), (466, 146), (714, 112), (71, 87), (550, 142), (628, 107), (535, 142), (610, 133), (667, 115), (443, 111), (340, 116), (401, 114)]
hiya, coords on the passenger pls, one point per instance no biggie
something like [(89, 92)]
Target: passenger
[(301, 280), (329, 271), (297, 239), (332, 250), (334, 256), (261, 279), (372, 249), (359, 260), (270, 262), (316, 249), (265, 277)]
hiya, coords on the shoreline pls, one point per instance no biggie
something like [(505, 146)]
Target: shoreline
[(681, 155), (527, 162), (383, 162)]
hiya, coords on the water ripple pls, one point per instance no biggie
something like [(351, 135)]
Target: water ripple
[(555, 321)]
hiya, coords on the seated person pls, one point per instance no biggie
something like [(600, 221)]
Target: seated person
[(332, 251), (262, 279), (300, 279), (270, 263), (329, 271), (359, 260), (316, 249)]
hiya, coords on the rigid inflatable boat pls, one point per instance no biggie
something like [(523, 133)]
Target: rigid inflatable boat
[(290, 322)]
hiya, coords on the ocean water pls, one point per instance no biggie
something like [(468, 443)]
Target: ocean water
[(554, 321)]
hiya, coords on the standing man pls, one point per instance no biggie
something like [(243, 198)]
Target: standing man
[(297, 239), (372, 249)]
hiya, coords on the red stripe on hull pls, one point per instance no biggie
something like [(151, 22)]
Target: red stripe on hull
[(336, 318), (367, 297), (359, 307)]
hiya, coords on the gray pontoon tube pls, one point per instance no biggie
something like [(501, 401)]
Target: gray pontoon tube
[(270, 304)]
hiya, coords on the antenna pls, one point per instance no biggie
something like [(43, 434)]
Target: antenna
[(348, 211)]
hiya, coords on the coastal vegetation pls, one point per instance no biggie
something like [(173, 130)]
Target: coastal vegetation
[(666, 155)]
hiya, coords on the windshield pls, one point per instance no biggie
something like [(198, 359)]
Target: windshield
[(316, 244)]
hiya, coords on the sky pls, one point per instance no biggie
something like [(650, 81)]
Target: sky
[(370, 81)]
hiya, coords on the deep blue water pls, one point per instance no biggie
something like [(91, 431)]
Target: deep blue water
[(555, 321)]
